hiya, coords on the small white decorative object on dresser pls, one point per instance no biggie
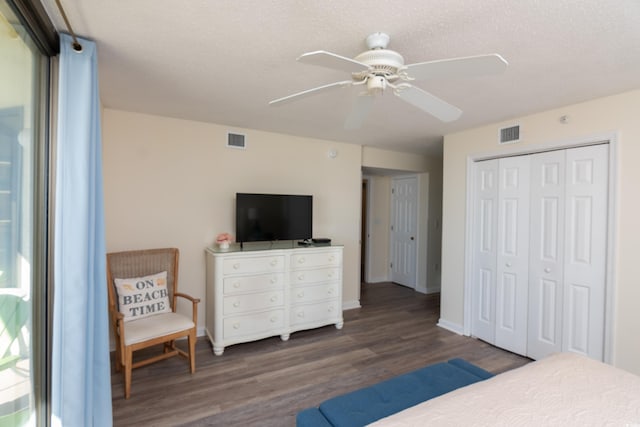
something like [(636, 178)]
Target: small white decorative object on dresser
[(255, 293)]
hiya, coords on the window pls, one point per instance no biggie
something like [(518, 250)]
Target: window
[(24, 93)]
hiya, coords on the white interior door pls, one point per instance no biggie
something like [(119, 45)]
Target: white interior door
[(404, 230), (485, 225), (512, 268), (585, 250), (546, 259)]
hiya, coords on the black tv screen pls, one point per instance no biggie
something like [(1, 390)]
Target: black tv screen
[(268, 217)]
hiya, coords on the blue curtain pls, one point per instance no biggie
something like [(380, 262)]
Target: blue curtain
[(80, 382)]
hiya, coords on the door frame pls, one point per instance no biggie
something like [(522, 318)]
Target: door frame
[(610, 138)]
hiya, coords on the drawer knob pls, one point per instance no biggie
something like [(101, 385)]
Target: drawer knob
[(547, 270), (330, 274), (236, 326), (300, 294), (301, 314), (274, 319), (236, 266), (236, 304), (330, 309), (273, 280), (236, 285), (274, 298), (330, 291), (301, 277), (331, 258), (300, 260), (274, 263)]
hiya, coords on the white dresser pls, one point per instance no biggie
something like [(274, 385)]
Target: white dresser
[(261, 292)]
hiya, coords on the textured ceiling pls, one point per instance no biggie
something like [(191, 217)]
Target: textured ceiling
[(222, 61)]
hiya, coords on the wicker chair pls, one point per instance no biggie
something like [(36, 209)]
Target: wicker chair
[(164, 328)]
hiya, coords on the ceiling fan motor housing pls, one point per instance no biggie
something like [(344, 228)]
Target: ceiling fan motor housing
[(382, 62)]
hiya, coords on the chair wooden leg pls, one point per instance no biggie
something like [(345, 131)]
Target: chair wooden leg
[(192, 351), (128, 362), (118, 358)]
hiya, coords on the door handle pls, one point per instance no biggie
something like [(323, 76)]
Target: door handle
[(412, 238)]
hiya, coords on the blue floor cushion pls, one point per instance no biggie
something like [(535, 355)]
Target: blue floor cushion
[(366, 405)]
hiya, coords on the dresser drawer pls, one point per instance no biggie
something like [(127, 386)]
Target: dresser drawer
[(252, 324), (251, 302), (310, 260), (246, 265), (308, 294), (239, 284), (314, 276), (313, 313)]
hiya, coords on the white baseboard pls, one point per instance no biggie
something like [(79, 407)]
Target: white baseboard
[(350, 305), (450, 326)]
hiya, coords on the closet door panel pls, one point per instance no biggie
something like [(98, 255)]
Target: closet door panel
[(546, 269), (585, 250), (513, 254), (485, 250)]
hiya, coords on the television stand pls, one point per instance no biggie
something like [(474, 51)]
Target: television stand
[(258, 293)]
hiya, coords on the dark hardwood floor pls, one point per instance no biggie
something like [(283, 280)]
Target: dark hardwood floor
[(265, 383)]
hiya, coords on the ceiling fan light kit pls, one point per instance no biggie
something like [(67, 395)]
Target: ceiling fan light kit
[(380, 68)]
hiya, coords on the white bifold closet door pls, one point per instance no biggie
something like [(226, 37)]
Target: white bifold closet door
[(567, 271), (540, 251), (502, 226)]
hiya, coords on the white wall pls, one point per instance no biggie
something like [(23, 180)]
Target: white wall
[(384, 159), (171, 182), (611, 114), (434, 256)]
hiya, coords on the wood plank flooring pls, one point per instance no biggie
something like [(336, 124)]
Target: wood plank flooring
[(265, 383)]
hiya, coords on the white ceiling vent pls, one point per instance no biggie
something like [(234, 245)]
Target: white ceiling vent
[(236, 140), (510, 135)]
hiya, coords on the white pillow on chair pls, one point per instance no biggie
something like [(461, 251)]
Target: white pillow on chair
[(140, 297)]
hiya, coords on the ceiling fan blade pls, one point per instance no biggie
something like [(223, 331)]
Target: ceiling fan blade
[(428, 103), (458, 67), (309, 92), (361, 107), (325, 59)]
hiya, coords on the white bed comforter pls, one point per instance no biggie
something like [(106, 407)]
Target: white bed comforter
[(561, 390)]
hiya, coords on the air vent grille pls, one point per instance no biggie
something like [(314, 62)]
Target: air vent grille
[(510, 134), (236, 140)]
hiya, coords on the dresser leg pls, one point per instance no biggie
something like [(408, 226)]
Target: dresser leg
[(339, 325), (285, 337), (218, 350)]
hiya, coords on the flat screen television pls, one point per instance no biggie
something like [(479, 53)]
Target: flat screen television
[(269, 217)]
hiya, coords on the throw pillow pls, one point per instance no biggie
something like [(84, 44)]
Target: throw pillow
[(140, 297)]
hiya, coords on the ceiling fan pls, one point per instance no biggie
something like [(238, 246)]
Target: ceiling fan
[(379, 69)]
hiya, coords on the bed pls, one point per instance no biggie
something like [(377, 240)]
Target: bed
[(563, 389)]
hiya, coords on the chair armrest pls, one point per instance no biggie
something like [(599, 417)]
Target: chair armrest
[(189, 297), (194, 302)]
